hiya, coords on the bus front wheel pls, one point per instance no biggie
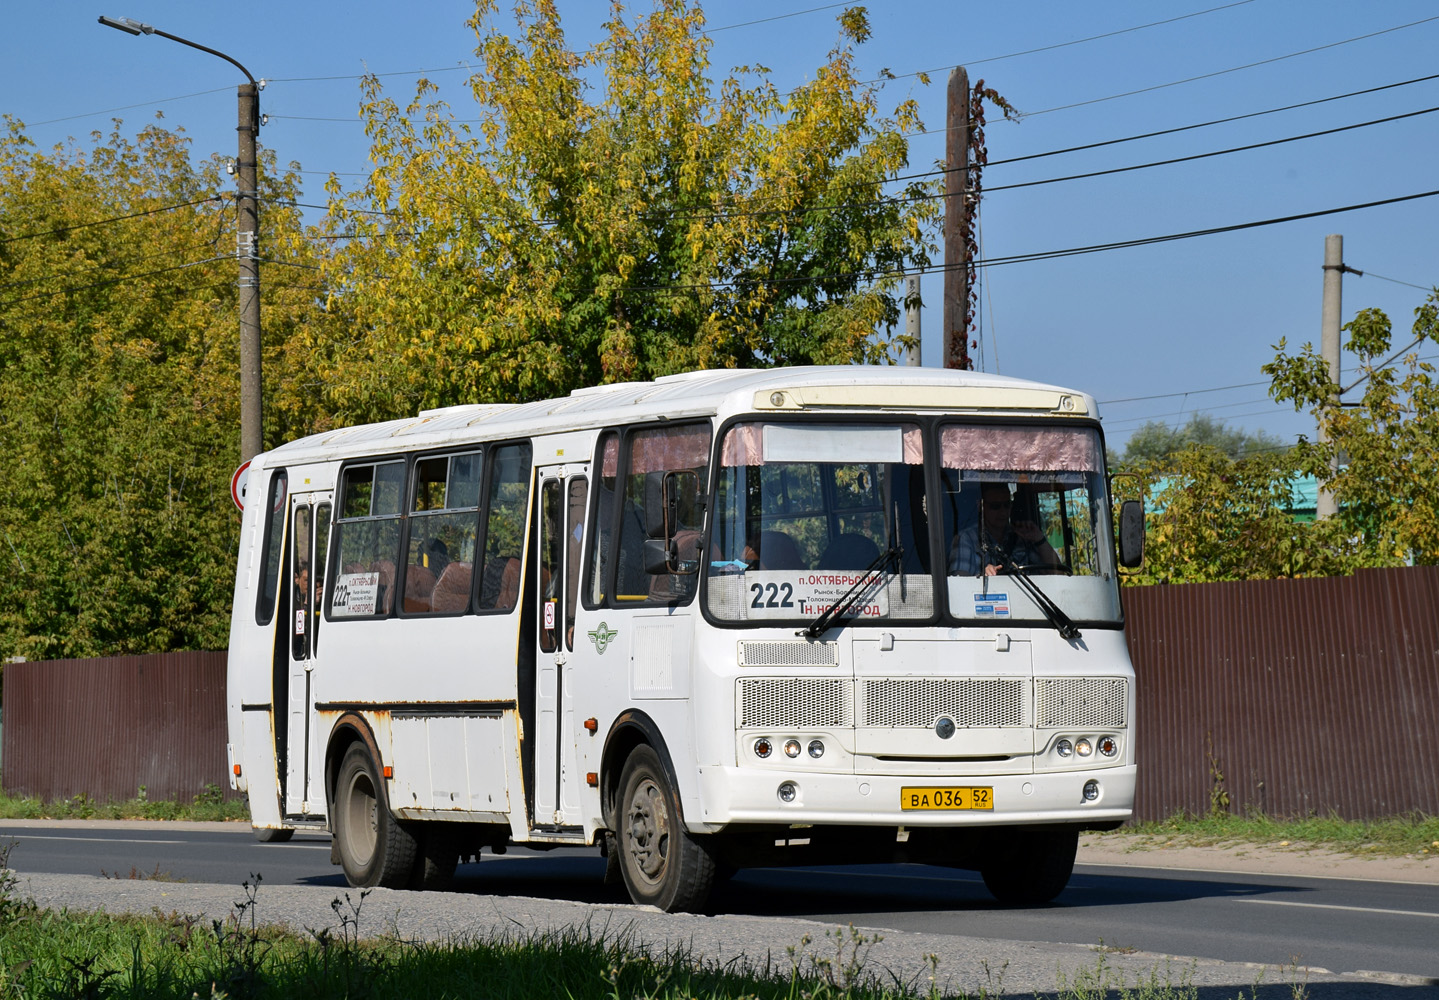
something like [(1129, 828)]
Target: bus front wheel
[(661, 863), (374, 848), (1033, 866)]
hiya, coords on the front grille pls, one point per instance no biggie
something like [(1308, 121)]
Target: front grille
[(971, 702), (1080, 702), (794, 703), (788, 653)]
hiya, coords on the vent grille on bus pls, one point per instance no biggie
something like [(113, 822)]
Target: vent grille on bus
[(1080, 702), (794, 703), (970, 702), (788, 653)]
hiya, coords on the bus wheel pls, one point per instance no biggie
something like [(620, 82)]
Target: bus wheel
[(1033, 867), (374, 848), (661, 863), (269, 835)]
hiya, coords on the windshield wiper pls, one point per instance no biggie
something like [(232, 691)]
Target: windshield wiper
[(838, 613), (1062, 623)]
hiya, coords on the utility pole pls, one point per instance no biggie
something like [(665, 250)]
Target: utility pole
[(956, 250), (912, 355), (1330, 316), (247, 251), (247, 240)]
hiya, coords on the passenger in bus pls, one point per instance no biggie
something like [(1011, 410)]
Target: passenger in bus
[(995, 543), (772, 550)]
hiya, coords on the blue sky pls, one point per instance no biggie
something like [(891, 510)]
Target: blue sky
[(1155, 332)]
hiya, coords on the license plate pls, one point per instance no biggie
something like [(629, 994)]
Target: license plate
[(947, 797)]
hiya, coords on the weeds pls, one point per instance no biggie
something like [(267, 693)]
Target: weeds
[(1415, 834), (210, 803)]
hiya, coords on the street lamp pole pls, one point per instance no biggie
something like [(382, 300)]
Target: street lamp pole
[(247, 240)]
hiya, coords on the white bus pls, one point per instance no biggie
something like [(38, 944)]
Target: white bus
[(720, 620)]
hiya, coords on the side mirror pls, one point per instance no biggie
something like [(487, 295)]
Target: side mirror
[(656, 556), (1131, 533)]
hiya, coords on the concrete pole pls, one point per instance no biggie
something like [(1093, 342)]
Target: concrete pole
[(1333, 311), (956, 253), (912, 355), (247, 251)]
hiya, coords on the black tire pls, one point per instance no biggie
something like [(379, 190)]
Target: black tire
[(661, 863), (268, 835), (374, 848), (436, 856), (1033, 866)]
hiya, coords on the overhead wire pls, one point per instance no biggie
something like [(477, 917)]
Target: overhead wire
[(106, 222)]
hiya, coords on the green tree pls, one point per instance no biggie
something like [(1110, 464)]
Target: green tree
[(1156, 440), (615, 215), (118, 392), (1386, 446)]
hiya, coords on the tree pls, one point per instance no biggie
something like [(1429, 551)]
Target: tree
[(615, 216), (118, 392), (1156, 440), (1386, 447)]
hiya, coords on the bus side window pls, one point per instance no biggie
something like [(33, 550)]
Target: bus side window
[(367, 540), (272, 548), (652, 454), (505, 527), (602, 526)]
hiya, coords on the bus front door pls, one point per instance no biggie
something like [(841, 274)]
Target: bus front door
[(301, 777), (562, 494)]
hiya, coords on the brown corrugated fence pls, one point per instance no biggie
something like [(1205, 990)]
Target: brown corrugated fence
[(105, 727), (1289, 696)]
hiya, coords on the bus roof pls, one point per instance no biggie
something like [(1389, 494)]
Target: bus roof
[(701, 393)]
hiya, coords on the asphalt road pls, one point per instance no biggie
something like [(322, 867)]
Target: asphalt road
[(1375, 934)]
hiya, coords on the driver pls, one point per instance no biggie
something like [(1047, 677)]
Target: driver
[(1001, 542)]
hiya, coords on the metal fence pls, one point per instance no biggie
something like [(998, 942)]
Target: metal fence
[(1288, 696), (106, 727), (1293, 697)]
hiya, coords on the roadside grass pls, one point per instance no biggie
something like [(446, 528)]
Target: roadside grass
[(209, 804), (44, 953), (1414, 835)]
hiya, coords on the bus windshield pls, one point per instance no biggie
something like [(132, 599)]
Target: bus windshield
[(805, 510)]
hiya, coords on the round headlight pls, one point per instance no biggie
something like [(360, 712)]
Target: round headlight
[(1091, 790), (763, 747), (1083, 748), (816, 748), (791, 748), (788, 791), (1108, 746), (1064, 748)]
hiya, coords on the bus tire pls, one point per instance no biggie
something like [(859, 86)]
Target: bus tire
[(1033, 867), (662, 865), (374, 848), (270, 835)]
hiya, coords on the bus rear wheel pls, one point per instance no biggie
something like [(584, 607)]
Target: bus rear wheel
[(661, 863), (374, 848), (1033, 867), (271, 835)]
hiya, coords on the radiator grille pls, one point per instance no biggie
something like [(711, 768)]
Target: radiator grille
[(788, 653), (970, 702), (794, 703), (1080, 702)]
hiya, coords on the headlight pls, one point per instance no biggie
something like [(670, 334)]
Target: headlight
[(816, 748), (1084, 748), (1064, 748), (788, 791), (791, 748)]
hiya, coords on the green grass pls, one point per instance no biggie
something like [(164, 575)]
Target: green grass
[(209, 804), (1415, 835), (44, 953)]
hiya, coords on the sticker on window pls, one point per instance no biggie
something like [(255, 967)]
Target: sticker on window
[(991, 605), (356, 595)]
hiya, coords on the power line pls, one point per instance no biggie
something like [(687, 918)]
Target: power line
[(106, 222), (128, 107), (1232, 69), (113, 281), (1189, 392)]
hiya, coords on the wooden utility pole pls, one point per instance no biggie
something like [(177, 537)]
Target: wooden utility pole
[(956, 248)]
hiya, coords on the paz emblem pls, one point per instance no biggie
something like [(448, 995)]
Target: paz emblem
[(601, 637)]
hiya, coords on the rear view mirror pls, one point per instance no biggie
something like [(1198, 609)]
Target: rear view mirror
[(1131, 533)]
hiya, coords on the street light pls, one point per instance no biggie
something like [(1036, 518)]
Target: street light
[(247, 244)]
